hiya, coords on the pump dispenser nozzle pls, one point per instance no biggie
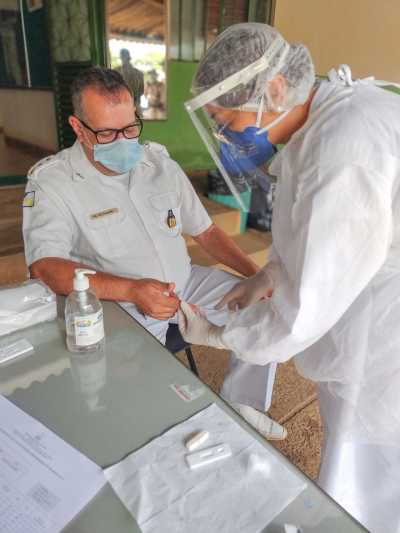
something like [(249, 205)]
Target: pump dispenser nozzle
[(81, 282)]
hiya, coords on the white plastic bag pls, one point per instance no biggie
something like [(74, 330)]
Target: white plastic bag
[(25, 305)]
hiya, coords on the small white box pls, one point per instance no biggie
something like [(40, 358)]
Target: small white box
[(208, 455)]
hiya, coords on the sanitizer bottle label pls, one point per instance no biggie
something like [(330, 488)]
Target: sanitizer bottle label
[(89, 329)]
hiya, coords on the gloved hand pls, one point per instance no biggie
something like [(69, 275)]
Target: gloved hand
[(248, 291), (196, 329)]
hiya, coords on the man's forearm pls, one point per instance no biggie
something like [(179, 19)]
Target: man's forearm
[(220, 246), (58, 274)]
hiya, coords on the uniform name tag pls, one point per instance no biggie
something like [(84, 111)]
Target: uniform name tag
[(104, 213)]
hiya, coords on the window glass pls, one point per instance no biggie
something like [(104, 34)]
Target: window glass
[(13, 67), (138, 50)]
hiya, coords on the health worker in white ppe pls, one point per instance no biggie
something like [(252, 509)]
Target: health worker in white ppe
[(329, 295)]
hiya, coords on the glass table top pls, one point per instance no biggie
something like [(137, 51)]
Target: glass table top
[(108, 404)]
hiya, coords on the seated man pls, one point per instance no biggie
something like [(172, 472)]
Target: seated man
[(119, 207)]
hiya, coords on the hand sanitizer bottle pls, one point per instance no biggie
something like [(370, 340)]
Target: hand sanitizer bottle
[(83, 316)]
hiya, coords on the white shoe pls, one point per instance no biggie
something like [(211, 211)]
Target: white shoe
[(270, 429)]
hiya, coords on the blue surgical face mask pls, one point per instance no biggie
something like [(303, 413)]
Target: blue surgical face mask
[(119, 156), (244, 151)]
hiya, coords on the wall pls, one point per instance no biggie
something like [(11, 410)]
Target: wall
[(178, 132), (29, 115), (362, 33)]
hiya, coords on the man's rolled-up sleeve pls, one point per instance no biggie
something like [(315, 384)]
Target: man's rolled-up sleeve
[(47, 225)]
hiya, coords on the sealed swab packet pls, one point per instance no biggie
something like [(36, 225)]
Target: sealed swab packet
[(14, 349)]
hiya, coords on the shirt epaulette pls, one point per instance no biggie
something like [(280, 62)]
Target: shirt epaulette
[(41, 165), (156, 147)]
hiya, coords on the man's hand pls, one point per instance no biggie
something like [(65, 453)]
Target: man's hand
[(155, 298), (247, 292)]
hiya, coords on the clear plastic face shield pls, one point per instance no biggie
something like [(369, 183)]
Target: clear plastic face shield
[(234, 138)]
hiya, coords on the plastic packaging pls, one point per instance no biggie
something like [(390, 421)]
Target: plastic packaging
[(26, 305), (208, 455), (83, 316), (15, 349)]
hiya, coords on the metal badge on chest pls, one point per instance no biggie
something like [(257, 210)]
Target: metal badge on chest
[(171, 220)]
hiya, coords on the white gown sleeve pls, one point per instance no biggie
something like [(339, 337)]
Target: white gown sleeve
[(340, 232)]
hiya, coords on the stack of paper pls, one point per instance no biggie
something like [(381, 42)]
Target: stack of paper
[(44, 482)]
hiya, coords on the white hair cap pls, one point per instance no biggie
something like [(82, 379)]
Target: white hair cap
[(241, 45)]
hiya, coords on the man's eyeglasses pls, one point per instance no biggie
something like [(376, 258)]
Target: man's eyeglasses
[(132, 131)]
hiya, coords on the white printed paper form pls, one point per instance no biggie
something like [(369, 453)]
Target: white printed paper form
[(44, 482)]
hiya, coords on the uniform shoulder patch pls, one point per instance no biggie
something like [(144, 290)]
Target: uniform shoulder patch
[(41, 165), (29, 199)]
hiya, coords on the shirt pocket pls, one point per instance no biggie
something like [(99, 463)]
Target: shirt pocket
[(107, 231), (166, 209)]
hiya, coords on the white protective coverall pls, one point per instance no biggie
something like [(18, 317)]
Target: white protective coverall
[(336, 305)]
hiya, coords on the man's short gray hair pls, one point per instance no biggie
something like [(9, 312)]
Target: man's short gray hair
[(105, 81)]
